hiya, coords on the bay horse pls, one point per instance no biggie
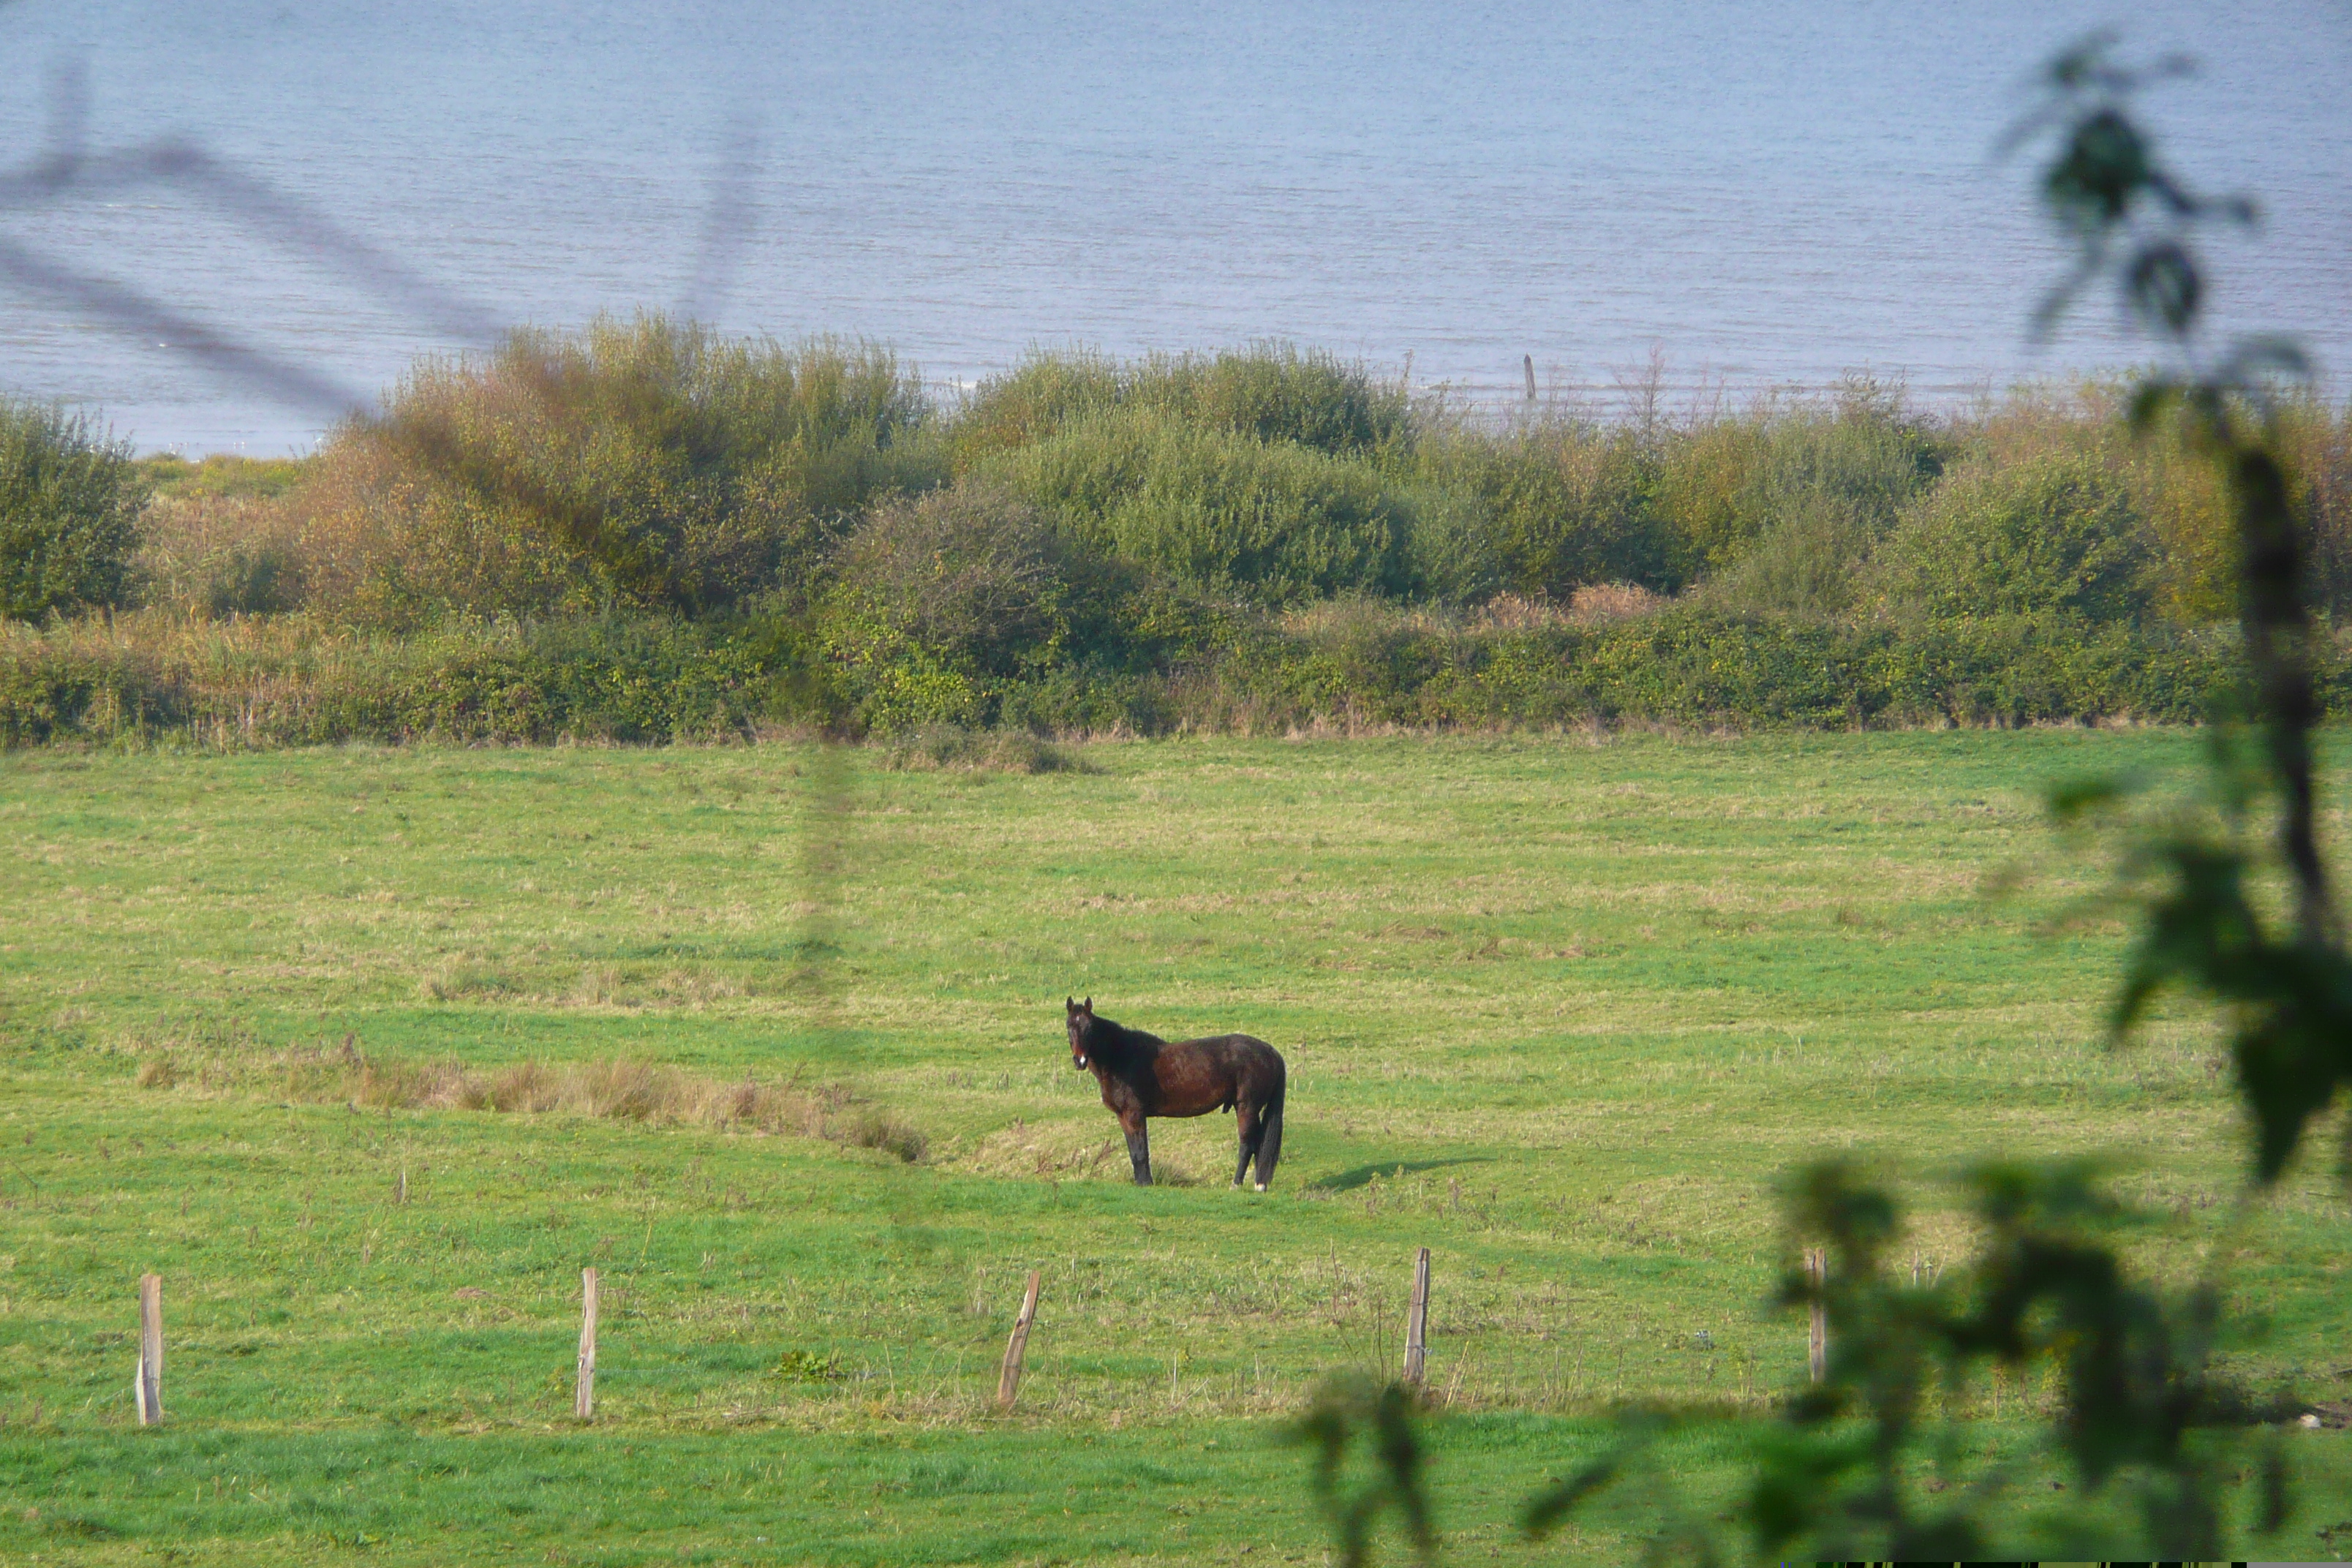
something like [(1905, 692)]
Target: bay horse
[(1144, 1076)]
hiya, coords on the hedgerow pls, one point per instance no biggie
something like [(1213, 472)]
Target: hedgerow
[(643, 532), (638, 679)]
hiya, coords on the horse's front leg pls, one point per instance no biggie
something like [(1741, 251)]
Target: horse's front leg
[(1139, 1151)]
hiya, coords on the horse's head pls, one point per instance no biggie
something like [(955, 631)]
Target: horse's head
[(1082, 1024)]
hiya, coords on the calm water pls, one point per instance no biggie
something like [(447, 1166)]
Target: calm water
[(1764, 193)]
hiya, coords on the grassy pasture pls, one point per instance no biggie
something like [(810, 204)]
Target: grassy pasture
[(1559, 1010)]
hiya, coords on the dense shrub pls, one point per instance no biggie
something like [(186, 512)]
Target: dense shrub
[(1274, 523), (2187, 530), (2055, 535), (1820, 489), (935, 603), (2193, 575), (1779, 506), (976, 575), (967, 607), (641, 465), (1271, 474), (1035, 399), (1278, 393), (1272, 392), (1703, 488), (2316, 442), (69, 500), (628, 467), (1864, 448), (1560, 503)]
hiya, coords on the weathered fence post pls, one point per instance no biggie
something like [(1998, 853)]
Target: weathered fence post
[(1008, 1382), (584, 1393), (1416, 1322), (1529, 361), (149, 1387), (1817, 1331)]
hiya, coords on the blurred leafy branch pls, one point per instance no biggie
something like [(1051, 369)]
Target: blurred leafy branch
[(1879, 1460), (1382, 1416)]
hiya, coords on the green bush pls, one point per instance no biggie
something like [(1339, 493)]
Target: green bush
[(1821, 489), (1559, 505), (1702, 495), (70, 502), (1277, 393), (1864, 450), (1807, 565), (641, 465), (1220, 511), (1035, 399), (1449, 553), (933, 602), (1270, 474), (2056, 535), (967, 607), (1271, 393)]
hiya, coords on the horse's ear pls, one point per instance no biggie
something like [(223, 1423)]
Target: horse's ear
[(1088, 1007), (1071, 1003)]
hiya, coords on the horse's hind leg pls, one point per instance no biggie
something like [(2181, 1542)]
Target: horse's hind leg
[(1252, 1130)]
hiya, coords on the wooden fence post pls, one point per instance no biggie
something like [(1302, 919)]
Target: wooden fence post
[(1529, 361), (1817, 1331), (584, 1393), (1008, 1382), (1416, 1322), (149, 1387)]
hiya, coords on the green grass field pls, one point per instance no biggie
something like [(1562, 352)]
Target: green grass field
[(1561, 1011)]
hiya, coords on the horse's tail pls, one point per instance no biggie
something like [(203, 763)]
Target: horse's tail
[(1269, 1148)]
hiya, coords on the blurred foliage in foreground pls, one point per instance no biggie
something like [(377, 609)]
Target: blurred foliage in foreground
[(1881, 1458)]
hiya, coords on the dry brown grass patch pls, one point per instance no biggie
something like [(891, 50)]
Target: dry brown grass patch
[(1593, 605), (615, 1089)]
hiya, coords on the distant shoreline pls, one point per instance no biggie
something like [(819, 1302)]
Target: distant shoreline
[(1496, 402)]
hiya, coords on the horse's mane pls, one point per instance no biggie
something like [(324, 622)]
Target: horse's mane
[(1113, 1044)]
